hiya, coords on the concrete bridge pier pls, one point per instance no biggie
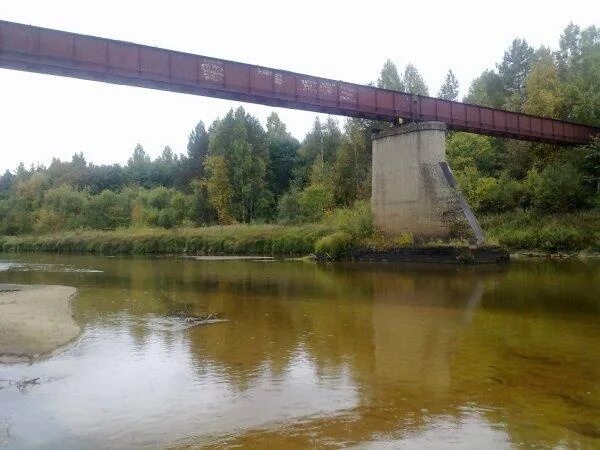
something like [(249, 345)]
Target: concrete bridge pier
[(413, 189)]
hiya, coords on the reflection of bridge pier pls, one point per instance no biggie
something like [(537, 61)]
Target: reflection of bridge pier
[(417, 324)]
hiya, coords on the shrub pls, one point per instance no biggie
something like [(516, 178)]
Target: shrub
[(180, 207), (559, 232), (334, 245), (497, 195), (48, 221), (558, 188), (108, 211), (64, 207), (465, 149), (549, 239), (159, 197), (356, 221), (314, 201), (559, 239), (288, 208)]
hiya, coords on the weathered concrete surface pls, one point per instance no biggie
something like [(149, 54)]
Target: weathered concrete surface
[(35, 321), (410, 193)]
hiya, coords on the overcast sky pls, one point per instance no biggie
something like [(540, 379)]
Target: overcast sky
[(43, 116)]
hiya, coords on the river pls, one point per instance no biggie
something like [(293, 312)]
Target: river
[(310, 355)]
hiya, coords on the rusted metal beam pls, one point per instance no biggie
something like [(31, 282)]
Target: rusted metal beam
[(42, 50)]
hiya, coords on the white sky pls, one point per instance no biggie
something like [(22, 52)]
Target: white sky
[(43, 116)]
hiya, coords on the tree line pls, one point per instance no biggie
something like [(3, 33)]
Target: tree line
[(238, 171)]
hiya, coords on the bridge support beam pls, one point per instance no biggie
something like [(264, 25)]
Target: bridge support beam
[(413, 190)]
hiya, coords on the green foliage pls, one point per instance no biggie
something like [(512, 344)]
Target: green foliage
[(197, 150), (236, 168), (470, 150), (560, 232), (498, 195), (233, 239), (356, 221), (314, 201), (544, 96), (549, 239), (288, 207), (513, 71), (590, 165), (557, 188), (498, 175), (449, 89), (487, 90), (62, 208), (389, 77), (413, 81), (108, 211), (352, 168), (317, 152), (335, 245), (283, 155)]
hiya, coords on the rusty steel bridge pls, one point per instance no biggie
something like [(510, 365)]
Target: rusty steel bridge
[(42, 50)]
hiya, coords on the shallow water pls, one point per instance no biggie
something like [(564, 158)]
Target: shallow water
[(365, 355)]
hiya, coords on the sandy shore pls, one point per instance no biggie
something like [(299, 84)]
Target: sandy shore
[(35, 321)]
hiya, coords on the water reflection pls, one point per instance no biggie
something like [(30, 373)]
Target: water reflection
[(312, 355)]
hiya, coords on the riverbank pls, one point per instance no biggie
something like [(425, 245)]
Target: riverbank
[(565, 234), (266, 240), (35, 321), (346, 233)]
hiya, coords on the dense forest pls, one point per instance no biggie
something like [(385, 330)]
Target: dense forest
[(237, 171)]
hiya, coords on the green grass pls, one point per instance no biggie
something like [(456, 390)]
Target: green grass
[(571, 232), (266, 239), (233, 239), (334, 245), (339, 233)]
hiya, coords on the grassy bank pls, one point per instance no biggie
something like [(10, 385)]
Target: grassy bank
[(517, 231), (233, 239), (340, 232)]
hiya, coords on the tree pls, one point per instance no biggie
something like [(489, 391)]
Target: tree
[(219, 188), (413, 82), (138, 167), (202, 210), (77, 174), (486, 90), (389, 77), (569, 53), (314, 201), (317, 152), (581, 78), (513, 70), (166, 169), (241, 144), (449, 89), (283, 155), (107, 211), (590, 165), (6, 183), (466, 149), (543, 89), (352, 169), (557, 188), (197, 150)]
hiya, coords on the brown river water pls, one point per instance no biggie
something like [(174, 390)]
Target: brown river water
[(311, 356)]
